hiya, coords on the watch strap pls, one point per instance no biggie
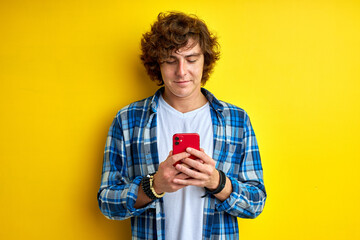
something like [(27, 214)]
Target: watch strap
[(222, 182)]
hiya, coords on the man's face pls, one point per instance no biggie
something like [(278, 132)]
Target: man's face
[(182, 72)]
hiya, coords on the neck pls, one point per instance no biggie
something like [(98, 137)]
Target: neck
[(185, 104)]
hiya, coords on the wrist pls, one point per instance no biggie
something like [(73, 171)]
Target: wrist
[(155, 185), (147, 186), (221, 185), (215, 183)]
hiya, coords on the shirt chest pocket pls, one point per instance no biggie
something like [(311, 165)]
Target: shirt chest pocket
[(233, 159)]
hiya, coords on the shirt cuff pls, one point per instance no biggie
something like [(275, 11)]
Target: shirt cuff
[(132, 196), (230, 202)]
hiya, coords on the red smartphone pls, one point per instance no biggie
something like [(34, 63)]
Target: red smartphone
[(183, 140)]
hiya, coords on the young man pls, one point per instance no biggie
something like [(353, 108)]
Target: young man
[(200, 198)]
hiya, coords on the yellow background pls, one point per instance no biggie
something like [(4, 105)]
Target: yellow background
[(66, 67)]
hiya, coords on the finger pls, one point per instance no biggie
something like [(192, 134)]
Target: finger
[(182, 176), (183, 164), (200, 154), (191, 172), (178, 157), (197, 164), (189, 182)]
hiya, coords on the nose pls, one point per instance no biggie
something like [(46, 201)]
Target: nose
[(181, 69)]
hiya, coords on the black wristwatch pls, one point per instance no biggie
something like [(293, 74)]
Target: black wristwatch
[(221, 186)]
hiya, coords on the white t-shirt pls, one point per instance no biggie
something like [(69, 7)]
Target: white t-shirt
[(183, 209)]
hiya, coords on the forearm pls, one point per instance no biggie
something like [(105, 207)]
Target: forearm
[(246, 200), (118, 201), (112, 202), (142, 199), (225, 193)]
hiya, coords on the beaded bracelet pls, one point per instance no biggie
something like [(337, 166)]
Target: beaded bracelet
[(153, 190), (147, 186)]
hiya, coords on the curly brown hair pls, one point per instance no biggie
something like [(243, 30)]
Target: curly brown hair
[(171, 32)]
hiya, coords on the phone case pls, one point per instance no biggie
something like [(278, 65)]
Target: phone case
[(183, 140)]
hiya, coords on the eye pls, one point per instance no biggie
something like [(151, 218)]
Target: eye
[(169, 61), (192, 60)]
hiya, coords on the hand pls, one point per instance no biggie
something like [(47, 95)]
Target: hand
[(163, 178), (202, 171)]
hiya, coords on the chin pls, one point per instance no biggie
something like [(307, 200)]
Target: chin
[(181, 94)]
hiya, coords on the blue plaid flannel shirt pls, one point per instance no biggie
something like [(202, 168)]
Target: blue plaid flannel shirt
[(131, 153)]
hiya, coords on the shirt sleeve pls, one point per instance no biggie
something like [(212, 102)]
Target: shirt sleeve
[(118, 193), (248, 197)]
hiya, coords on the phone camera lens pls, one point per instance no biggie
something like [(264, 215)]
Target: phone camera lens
[(176, 143), (176, 138)]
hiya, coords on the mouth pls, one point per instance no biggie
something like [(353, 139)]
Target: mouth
[(182, 84), (182, 81)]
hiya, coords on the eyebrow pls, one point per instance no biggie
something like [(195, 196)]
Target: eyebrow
[(189, 55)]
